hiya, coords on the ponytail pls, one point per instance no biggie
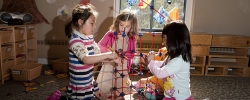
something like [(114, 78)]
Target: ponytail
[(68, 29)]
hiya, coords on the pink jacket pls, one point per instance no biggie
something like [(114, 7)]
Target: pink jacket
[(110, 37)]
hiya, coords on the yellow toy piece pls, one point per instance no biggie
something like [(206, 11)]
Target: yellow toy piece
[(165, 84), (144, 4), (154, 79), (174, 14), (163, 52)]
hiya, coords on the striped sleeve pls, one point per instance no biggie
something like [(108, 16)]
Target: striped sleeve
[(96, 49), (76, 45)]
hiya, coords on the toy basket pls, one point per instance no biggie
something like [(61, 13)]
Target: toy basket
[(26, 71), (6, 36), (61, 65)]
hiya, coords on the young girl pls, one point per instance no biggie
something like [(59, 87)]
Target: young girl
[(83, 53), (177, 64), (122, 35)]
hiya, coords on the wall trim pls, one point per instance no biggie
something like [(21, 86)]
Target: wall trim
[(45, 61), (52, 42)]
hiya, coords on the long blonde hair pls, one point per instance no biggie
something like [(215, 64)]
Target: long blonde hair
[(126, 15)]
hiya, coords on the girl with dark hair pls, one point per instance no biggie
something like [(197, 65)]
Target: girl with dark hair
[(83, 53), (177, 64)]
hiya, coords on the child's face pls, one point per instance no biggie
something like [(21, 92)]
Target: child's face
[(123, 24), (164, 40), (88, 27)]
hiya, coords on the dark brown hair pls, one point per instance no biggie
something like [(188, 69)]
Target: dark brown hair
[(82, 12), (178, 40)]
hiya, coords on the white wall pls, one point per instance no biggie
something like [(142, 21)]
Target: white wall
[(49, 11), (222, 17), (105, 19)]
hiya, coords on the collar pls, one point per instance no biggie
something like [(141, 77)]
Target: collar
[(82, 35)]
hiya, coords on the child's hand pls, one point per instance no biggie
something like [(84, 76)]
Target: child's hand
[(115, 57), (151, 56), (144, 60), (118, 60)]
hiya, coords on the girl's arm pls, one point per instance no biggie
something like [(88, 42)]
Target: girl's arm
[(97, 51), (102, 44), (155, 68), (172, 67), (91, 59), (80, 50)]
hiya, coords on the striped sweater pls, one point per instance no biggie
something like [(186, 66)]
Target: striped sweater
[(81, 85)]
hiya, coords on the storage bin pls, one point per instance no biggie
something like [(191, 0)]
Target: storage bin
[(215, 71), (19, 34), (199, 61), (6, 36), (200, 39), (6, 51), (26, 71), (200, 50), (234, 71), (30, 33), (239, 41), (197, 70), (61, 65), (222, 40), (20, 59), (19, 47)]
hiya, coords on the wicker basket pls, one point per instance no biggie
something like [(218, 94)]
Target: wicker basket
[(19, 47), (19, 34), (26, 71), (30, 33), (6, 51), (20, 59), (61, 65), (6, 36)]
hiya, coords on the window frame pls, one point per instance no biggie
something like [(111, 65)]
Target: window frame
[(151, 29)]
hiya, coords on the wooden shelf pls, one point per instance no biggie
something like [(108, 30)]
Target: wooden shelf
[(233, 71), (29, 50), (31, 38), (225, 55), (23, 41), (32, 61), (247, 74), (6, 77), (197, 70), (223, 61), (223, 52), (227, 47), (228, 64), (235, 74), (199, 61), (215, 71)]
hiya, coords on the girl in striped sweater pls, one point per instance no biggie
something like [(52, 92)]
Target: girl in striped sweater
[(83, 53)]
